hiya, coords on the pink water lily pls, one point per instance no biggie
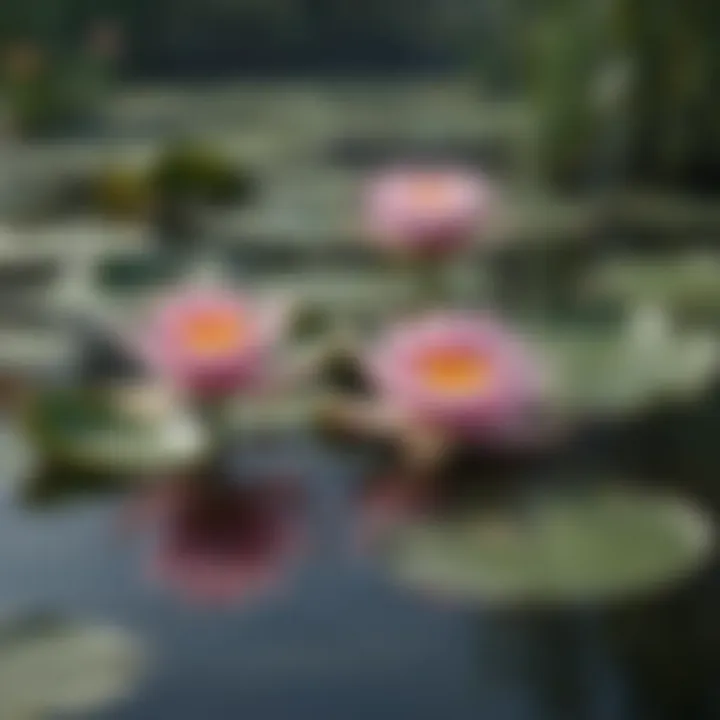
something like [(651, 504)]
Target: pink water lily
[(466, 376), (213, 341), (431, 211)]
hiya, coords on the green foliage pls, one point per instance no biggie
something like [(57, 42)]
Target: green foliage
[(183, 175), (197, 172), (595, 543), (121, 193), (668, 115), (58, 95), (562, 63), (676, 59), (54, 486)]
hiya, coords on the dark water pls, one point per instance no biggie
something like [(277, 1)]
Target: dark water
[(343, 642), (337, 643)]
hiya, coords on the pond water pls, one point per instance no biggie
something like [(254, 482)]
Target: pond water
[(339, 640), (336, 643)]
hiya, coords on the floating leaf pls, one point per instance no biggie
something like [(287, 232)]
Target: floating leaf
[(610, 369), (591, 545), (52, 665), (81, 429)]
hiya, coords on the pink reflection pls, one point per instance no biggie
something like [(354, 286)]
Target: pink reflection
[(222, 543)]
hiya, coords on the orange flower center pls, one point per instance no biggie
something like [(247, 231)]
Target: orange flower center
[(456, 370), (214, 332), (430, 192)]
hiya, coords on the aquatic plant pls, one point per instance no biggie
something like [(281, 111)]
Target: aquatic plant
[(598, 543), (194, 171), (62, 665), (426, 211), (625, 84), (53, 93), (465, 374), (213, 342), (87, 430)]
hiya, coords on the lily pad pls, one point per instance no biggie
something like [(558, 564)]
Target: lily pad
[(682, 282), (590, 545), (51, 665), (75, 428), (623, 368)]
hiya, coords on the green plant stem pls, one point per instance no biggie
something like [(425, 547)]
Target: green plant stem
[(214, 415), (431, 283)]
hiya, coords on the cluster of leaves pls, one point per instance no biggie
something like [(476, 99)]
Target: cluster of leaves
[(183, 173), (676, 117), (199, 172), (51, 91)]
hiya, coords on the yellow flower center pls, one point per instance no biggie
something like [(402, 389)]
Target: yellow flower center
[(430, 192), (214, 332), (455, 370)]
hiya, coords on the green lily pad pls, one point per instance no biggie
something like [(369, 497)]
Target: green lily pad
[(594, 545), (51, 665), (312, 321), (681, 282), (80, 428), (618, 369)]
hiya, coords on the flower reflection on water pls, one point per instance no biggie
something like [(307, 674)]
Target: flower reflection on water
[(460, 480), (218, 542)]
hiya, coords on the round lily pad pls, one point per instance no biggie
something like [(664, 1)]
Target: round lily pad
[(78, 428), (589, 545), (51, 665)]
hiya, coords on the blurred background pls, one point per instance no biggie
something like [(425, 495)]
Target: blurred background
[(148, 142)]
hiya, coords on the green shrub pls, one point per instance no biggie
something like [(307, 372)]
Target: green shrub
[(197, 172), (122, 193)]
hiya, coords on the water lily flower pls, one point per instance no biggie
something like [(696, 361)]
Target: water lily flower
[(212, 341), (467, 376), (221, 542), (426, 211)]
